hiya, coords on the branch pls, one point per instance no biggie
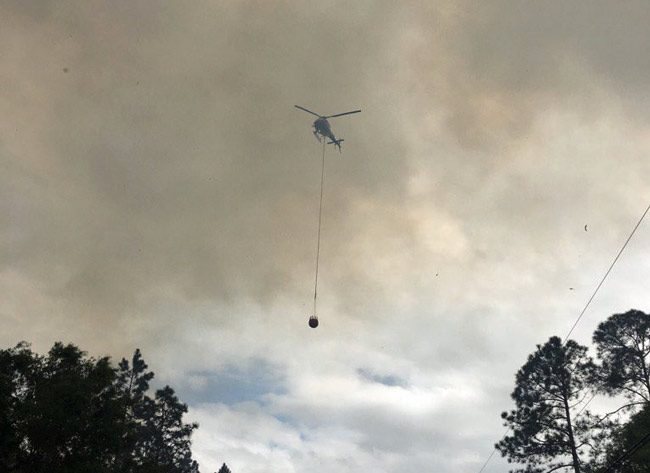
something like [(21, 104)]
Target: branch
[(558, 467), (586, 443), (634, 392), (619, 409)]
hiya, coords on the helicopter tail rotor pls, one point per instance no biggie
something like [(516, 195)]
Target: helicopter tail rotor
[(337, 143)]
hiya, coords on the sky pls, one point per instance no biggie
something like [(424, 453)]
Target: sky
[(159, 190)]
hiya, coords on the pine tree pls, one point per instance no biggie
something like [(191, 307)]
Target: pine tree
[(68, 413), (224, 469), (627, 438), (133, 382), (165, 441), (545, 435), (623, 344)]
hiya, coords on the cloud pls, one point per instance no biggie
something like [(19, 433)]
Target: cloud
[(232, 384)]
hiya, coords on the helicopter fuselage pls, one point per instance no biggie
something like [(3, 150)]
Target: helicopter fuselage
[(322, 127)]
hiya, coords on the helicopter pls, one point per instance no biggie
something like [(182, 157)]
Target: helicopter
[(322, 127)]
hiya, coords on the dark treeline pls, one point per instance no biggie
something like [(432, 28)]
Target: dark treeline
[(65, 412), (552, 428)]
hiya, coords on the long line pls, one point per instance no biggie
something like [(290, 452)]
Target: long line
[(631, 451), (609, 270), (320, 218), (491, 455), (611, 266), (598, 287)]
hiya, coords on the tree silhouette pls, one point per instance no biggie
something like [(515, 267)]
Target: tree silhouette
[(623, 344), (134, 378), (133, 381), (625, 439), (224, 469), (164, 441), (68, 413), (12, 362), (545, 437)]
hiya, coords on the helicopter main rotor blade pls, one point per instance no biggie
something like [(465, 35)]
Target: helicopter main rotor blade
[(341, 114), (308, 111)]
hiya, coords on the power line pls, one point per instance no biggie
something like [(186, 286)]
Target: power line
[(611, 266), (598, 287), (593, 395), (606, 274), (633, 449), (494, 450)]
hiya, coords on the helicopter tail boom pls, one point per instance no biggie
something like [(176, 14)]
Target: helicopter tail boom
[(337, 143)]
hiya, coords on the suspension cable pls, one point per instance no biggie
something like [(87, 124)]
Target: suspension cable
[(320, 215)]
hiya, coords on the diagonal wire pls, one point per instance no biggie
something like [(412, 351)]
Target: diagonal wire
[(632, 450), (494, 450), (609, 270), (600, 284), (607, 274), (585, 406)]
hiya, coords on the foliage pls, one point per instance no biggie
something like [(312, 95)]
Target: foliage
[(66, 412), (164, 443), (224, 469), (623, 345), (544, 435), (625, 438)]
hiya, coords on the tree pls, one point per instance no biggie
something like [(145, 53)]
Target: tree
[(134, 378), (224, 469), (67, 416), (623, 344), (12, 363), (545, 437), (133, 381), (164, 442), (628, 438), (68, 413)]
